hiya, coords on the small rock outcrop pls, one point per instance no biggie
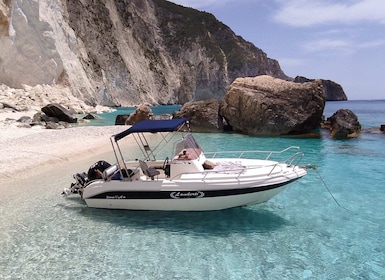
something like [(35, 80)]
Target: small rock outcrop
[(90, 117), (332, 90), (143, 112), (56, 110), (203, 115), (268, 106), (121, 119), (344, 124)]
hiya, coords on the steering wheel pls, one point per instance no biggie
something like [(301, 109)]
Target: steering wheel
[(166, 161)]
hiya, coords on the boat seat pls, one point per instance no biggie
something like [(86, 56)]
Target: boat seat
[(149, 172), (113, 173)]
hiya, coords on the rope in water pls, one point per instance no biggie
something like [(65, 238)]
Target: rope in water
[(314, 167)]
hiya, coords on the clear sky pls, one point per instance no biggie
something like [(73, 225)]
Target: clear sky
[(338, 40)]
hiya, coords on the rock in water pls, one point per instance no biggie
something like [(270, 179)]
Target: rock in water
[(264, 105), (143, 112), (203, 115), (344, 124), (121, 119)]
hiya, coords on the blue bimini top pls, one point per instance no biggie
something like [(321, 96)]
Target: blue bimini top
[(152, 126)]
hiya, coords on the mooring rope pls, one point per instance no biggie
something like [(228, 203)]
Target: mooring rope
[(314, 167)]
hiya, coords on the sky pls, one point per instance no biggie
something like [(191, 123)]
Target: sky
[(338, 40)]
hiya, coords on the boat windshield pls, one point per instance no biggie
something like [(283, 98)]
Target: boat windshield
[(188, 148)]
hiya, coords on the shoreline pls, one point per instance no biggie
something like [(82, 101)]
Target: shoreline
[(26, 151)]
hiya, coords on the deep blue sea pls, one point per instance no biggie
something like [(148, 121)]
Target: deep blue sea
[(300, 234)]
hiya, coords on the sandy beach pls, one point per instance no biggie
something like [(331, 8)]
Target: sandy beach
[(25, 150)]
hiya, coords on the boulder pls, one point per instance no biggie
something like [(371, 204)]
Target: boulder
[(121, 119), (344, 124), (203, 115), (45, 118), (25, 119), (382, 128), (264, 105), (90, 116), (56, 110), (57, 125), (38, 117), (143, 112)]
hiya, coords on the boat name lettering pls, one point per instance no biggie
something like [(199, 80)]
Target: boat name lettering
[(178, 195), (115, 196)]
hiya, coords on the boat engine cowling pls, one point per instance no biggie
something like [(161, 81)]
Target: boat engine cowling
[(96, 170), (82, 179)]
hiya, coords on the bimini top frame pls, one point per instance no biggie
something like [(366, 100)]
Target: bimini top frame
[(147, 126), (151, 126)]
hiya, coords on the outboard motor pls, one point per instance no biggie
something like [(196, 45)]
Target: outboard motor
[(96, 170), (82, 179)]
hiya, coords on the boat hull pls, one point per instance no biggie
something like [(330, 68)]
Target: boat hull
[(182, 198)]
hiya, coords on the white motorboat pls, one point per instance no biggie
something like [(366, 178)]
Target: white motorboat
[(187, 179)]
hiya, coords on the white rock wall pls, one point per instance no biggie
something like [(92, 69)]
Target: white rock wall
[(28, 53), (38, 47)]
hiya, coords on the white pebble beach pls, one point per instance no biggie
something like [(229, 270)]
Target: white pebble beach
[(26, 150)]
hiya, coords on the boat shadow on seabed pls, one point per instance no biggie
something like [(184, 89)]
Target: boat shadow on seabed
[(243, 220)]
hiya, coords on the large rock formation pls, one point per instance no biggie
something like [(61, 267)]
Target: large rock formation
[(203, 115), (332, 90), (124, 52), (267, 106)]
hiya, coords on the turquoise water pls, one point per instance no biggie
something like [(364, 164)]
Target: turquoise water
[(370, 113), (300, 234), (109, 118)]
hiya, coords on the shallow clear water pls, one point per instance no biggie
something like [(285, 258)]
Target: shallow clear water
[(109, 118), (300, 234)]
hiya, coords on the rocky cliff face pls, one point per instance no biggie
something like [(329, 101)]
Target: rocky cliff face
[(124, 52), (332, 90)]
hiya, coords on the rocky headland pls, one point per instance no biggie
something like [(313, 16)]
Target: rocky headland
[(332, 90)]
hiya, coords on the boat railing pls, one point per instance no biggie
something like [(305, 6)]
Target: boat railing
[(268, 154), (292, 161), (237, 172)]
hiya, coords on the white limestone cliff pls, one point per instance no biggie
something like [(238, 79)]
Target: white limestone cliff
[(123, 53)]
